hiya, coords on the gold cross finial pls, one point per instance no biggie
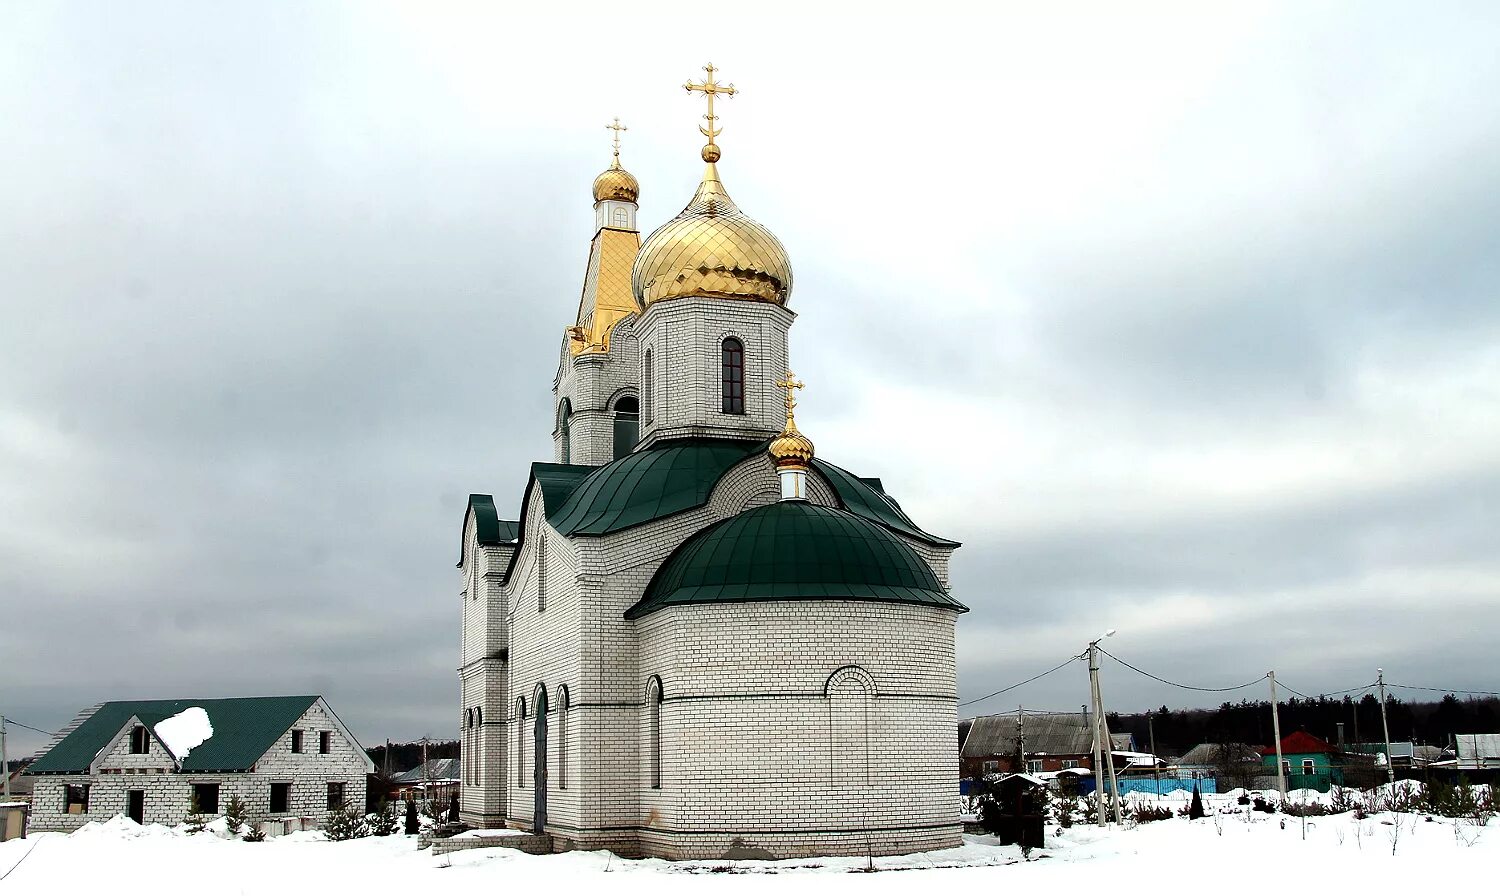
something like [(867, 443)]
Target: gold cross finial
[(617, 128), (710, 88), (790, 383)]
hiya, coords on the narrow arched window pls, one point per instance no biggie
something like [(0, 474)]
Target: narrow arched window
[(733, 376), (565, 446), (648, 380), (653, 730), (627, 425), (562, 738), (521, 742)]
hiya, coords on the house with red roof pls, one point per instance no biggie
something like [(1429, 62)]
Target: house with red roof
[(1308, 762)]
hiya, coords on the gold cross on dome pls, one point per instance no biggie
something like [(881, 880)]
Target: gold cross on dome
[(617, 128), (710, 88), (790, 384)]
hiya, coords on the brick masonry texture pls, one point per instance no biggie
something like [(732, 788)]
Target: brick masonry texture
[(800, 727)]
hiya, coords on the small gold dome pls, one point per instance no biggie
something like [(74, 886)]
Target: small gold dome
[(618, 184), (791, 448), (713, 250)]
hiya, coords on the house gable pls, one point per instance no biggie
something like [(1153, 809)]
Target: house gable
[(116, 756)]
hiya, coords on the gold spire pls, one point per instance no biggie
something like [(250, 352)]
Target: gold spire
[(710, 88), (617, 128), (791, 449), (616, 183)]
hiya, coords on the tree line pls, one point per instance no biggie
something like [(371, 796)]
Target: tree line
[(1249, 721)]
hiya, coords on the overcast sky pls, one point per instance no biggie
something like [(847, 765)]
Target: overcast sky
[(1184, 321)]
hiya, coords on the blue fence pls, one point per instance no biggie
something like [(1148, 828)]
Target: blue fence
[(1166, 785)]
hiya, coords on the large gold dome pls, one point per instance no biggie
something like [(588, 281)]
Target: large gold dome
[(712, 249), (616, 183)]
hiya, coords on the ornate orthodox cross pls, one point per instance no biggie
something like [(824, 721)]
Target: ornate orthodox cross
[(709, 88), (790, 384), (617, 128)]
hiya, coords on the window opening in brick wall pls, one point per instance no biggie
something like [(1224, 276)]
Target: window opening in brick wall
[(281, 797), (627, 425), (335, 795), (562, 737), (564, 416), (205, 799), (139, 741), (296, 740), (653, 729), (733, 376), (648, 381), (521, 742), (325, 742), (1033, 766), (76, 799)]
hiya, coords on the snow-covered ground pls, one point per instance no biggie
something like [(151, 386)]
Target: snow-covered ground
[(1244, 852)]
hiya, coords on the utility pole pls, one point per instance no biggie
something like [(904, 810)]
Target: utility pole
[(1385, 728), (1021, 735), (1276, 732), (1101, 735), (4, 759), (1100, 817), (1151, 731)]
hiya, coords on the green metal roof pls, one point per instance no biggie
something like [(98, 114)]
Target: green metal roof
[(244, 729), (865, 497), (793, 550), (644, 485), (488, 527)]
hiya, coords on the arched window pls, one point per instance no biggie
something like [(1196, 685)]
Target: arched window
[(520, 741), (627, 425), (733, 376), (562, 737), (648, 380), (622, 218), (653, 730), (564, 414)]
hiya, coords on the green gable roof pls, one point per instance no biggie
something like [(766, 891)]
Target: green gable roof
[(645, 485), (793, 550), (244, 729), (866, 498)]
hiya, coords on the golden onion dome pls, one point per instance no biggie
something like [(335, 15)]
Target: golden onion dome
[(791, 448), (618, 184), (713, 250)]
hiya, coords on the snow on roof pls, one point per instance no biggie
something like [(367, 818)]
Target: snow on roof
[(185, 731)]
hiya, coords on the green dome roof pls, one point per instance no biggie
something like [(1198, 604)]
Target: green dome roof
[(793, 550)]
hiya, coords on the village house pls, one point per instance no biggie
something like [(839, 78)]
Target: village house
[(1051, 743), (289, 759), (1308, 762)]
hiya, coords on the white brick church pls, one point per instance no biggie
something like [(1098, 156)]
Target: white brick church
[(699, 637)]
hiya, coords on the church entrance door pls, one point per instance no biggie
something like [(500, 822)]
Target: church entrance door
[(539, 757)]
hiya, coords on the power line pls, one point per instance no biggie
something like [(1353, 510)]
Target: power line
[(1071, 659), (1413, 687), (11, 721), (1175, 684)]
